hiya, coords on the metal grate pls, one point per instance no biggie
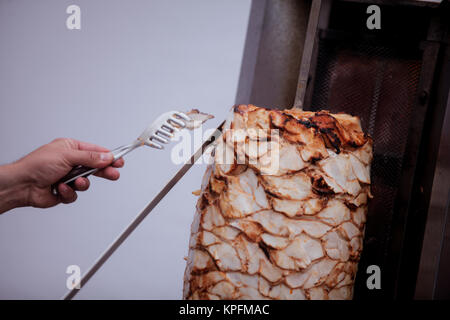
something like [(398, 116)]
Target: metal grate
[(377, 83)]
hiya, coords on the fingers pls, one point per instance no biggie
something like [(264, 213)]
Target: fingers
[(85, 153), (87, 146), (109, 173), (81, 184), (93, 159), (119, 163), (66, 193), (88, 154)]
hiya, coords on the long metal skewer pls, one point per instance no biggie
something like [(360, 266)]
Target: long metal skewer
[(141, 216)]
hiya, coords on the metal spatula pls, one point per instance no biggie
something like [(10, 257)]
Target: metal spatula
[(159, 132)]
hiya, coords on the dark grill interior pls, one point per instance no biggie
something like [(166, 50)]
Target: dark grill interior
[(379, 84)]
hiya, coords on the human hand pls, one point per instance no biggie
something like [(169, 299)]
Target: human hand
[(32, 176)]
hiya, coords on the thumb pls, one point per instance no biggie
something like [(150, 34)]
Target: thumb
[(91, 159)]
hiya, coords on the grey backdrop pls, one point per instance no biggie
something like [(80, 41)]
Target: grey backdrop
[(130, 61)]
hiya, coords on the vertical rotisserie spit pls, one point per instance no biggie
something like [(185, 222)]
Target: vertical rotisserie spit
[(282, 209)]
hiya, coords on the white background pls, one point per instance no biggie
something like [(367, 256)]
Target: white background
[(105, 83)]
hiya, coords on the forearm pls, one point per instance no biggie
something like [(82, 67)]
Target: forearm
[(13, 187)]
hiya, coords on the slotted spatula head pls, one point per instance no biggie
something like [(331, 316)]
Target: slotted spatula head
[(162, 130)]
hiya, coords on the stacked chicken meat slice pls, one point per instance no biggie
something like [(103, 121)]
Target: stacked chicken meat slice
[(282, 209)]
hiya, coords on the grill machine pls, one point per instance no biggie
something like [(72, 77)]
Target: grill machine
[(320, 55)]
